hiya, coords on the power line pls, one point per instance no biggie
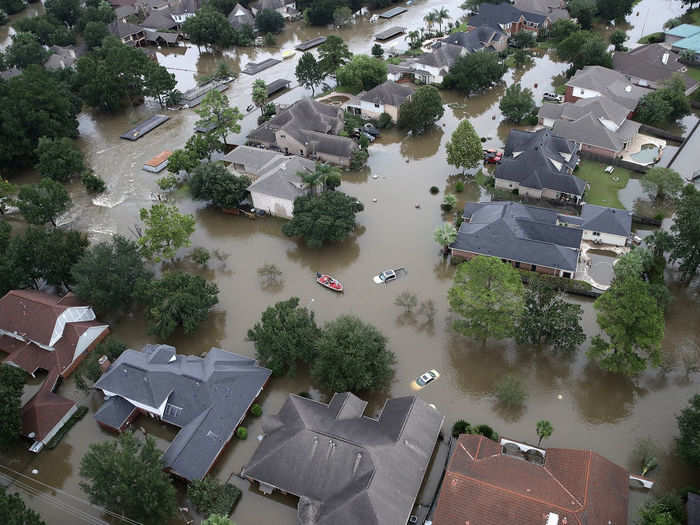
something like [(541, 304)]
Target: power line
[(110, 513)]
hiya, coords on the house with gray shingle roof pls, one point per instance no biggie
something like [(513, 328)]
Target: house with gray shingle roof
[(309, 129), (509, 19), (345, 467), (598, 81), (129, 34), (540, 165), (527, 237), (431, 68), (206, 398), (240, 16), (652, 65), (482, 37), (553, 9), (384, 98), (606, 225), (159, 21)]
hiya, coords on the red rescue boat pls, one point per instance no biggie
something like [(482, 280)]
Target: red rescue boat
[(329, 282)]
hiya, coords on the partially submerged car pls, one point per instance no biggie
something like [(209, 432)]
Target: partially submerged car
[(385, 277), (427, 377)]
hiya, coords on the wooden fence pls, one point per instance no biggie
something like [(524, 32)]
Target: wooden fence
[(632, 166)]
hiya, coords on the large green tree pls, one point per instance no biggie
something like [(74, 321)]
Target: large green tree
[(15, 512), (584, 48), (487, 295), (126, 476), (662, 183), (614, 9), (667, 509), (259, 94), (685, 232), (517, 103), (59, 159), (159, 83), (11, 387), (215, 112), (12, 6), (94, 33), (178, 299), (688, 443), (664, 105), (24, 51), (107, 274), (166, 231), (269, 21), (67, 11), (464, 147), (209, 27), (285, 336), (43, 202), (327, 217), (583, 11), (363, 72), (632, 322), (35, 104), (352, 356), (212, 182), (333, 53), (422, 111), (475, 72), (548, 319), (308, 72), (7, 191)]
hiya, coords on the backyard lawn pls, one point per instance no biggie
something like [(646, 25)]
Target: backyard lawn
[(694, 72), (603, 186)]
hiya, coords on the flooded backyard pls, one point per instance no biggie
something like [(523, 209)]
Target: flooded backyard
[(588, 408)]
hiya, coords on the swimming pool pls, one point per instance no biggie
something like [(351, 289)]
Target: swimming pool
[(647, 155)]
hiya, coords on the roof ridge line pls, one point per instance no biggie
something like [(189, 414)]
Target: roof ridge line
[(563, 487)]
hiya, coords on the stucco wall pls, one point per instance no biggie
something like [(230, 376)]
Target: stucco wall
[(274, 205), (605, 238)]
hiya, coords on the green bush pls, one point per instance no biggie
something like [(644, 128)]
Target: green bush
[(90, 368), (93, 183), (510, 393), (242, 433), (434, 190), (459, 187), (653, 38), (486, 431), (384, 121), (200, 255), (460, 427), (210, 496), (256, 410)]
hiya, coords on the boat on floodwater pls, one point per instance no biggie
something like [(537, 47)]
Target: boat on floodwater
[(329, 282)]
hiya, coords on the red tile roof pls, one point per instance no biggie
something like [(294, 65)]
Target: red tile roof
[(482, 486)]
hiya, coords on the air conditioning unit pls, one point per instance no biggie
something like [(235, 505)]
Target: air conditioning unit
[(552, 519)]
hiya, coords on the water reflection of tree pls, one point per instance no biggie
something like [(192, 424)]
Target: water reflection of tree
[(475, 106), (417, 147), (331, 257), (209, 333), (604, 397)]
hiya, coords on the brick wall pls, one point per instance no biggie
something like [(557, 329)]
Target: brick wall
[(601, 152), (569, 95), (466, 256)]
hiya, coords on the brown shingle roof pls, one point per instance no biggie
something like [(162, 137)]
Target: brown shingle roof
[(31, 313), (482, 486)]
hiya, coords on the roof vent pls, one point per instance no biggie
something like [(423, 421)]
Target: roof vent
[(552, 519), (628, 89), (664, 58)]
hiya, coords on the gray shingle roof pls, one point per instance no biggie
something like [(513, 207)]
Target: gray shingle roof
[(514, 231), (588, 130), (389, 93), (610, 83), (496, 14), (281, 179), (348, 468), (693, 509), (123, 29), (114, 412), (606, 220), (554, 9), (541, 160), (653, 63), (252, 159), (159, 20), (441, 56), (475, 39), (240, 16), (205, 397)]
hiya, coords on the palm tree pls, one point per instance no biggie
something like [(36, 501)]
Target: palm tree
[(444, 235), (442, 14), (544, 430), (430, 19)]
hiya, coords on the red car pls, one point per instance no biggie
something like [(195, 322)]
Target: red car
[(492, 156)]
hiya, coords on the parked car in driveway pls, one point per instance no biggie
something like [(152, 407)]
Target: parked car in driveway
[(492, 156)]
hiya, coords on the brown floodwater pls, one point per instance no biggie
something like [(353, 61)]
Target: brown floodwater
[(587, 407)]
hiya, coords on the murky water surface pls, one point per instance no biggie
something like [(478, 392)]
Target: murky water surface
[(588, 408)]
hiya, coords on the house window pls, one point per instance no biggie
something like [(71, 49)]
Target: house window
[(517, 264), (376, 105), (567, 275), (533, 267)]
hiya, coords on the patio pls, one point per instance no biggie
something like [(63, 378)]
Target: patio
[(644, 150)]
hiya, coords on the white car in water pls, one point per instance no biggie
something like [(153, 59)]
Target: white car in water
[(385, 277), (428, 377)]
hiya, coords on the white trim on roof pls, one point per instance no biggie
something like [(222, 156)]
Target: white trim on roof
[(74, 314)]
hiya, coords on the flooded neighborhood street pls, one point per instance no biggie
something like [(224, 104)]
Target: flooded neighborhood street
[(588, 407)]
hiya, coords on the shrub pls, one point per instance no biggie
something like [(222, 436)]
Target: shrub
[(242, 433), (434, 190), (449, 202), (93, 183), (210, 496), (486, 431), (359, 158), (200, 255), (653, 38), (510, 392), (384, 121), (461, 427), (256, 410), (459, 187)]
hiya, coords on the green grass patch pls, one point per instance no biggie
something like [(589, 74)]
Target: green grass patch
[(79, 414), (603, 186), (691, 17), (394, 60), (343, 89), (694, 72), (483, 180), (653, 38)]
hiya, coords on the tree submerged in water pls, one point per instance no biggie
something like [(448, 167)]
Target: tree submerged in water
[(270, 276)]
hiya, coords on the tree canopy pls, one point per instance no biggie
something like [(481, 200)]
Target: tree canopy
[(544, 430), (685, 232), (11, 388), (487, 294), (632, 322), (583, 11), (548, 319), (584, 48), (269, 21), (664, 105), (43, 202), (209, 27), (464, 147), (215, 112), (352, 356), (285, 336), (166, 231), (259, 94), (689, 427), (614, 9), (475, 72), (333, 53), (59, 159), (67, 11), (327, 217), (126, 476), (308, 72), (361, 73), (662, 183), (15, 512), (212, 182), (178, 299), (667, 509), (422, 111), (517, 103), (107, 274), (25, 50)]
